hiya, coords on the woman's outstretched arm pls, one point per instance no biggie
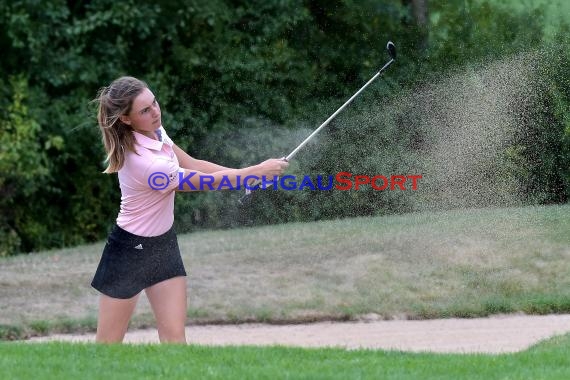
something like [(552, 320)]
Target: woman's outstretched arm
[(189, 162), (193, 180)]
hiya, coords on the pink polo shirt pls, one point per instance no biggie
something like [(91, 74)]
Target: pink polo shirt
[(148, 180)]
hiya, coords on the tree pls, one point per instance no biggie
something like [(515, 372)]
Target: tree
[(420, 20)]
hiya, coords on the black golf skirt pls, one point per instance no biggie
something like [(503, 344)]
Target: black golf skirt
[(131, 263)]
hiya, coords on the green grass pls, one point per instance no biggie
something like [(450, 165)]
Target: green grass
[(462, 263), (57, 361)]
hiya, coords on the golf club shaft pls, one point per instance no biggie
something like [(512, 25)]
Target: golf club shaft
[(392, 51), (326, 122)]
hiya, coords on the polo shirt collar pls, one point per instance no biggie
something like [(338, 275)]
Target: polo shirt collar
[(147, 142)]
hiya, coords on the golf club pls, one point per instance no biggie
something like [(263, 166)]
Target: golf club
[(392, 52)]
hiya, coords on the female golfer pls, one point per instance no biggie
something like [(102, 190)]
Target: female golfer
[(142, 251)]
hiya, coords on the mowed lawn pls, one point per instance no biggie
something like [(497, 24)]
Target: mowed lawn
[(58, 361), (462, 263)]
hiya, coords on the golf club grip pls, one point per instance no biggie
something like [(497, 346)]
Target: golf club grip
[(244, 200), (255, 185)]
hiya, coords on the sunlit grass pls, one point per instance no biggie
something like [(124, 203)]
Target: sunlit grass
[(548, 360)]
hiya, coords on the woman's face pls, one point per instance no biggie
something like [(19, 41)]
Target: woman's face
[(145, 114)]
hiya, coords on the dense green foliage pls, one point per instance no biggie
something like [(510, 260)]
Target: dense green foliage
[(231, 76)]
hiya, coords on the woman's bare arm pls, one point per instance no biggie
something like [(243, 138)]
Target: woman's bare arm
[(189, 162), (194, 180)]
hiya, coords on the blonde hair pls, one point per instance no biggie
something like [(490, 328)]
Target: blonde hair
[(114, 101)]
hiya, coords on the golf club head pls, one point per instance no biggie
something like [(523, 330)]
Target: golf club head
[(391, 50)]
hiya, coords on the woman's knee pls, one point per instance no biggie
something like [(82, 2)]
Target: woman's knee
[(114, 317), (172, 334)]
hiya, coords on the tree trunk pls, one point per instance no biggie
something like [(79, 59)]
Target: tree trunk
[(420, 12)]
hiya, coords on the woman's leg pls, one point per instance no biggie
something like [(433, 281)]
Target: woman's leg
[(168, 302), (114, 317)]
